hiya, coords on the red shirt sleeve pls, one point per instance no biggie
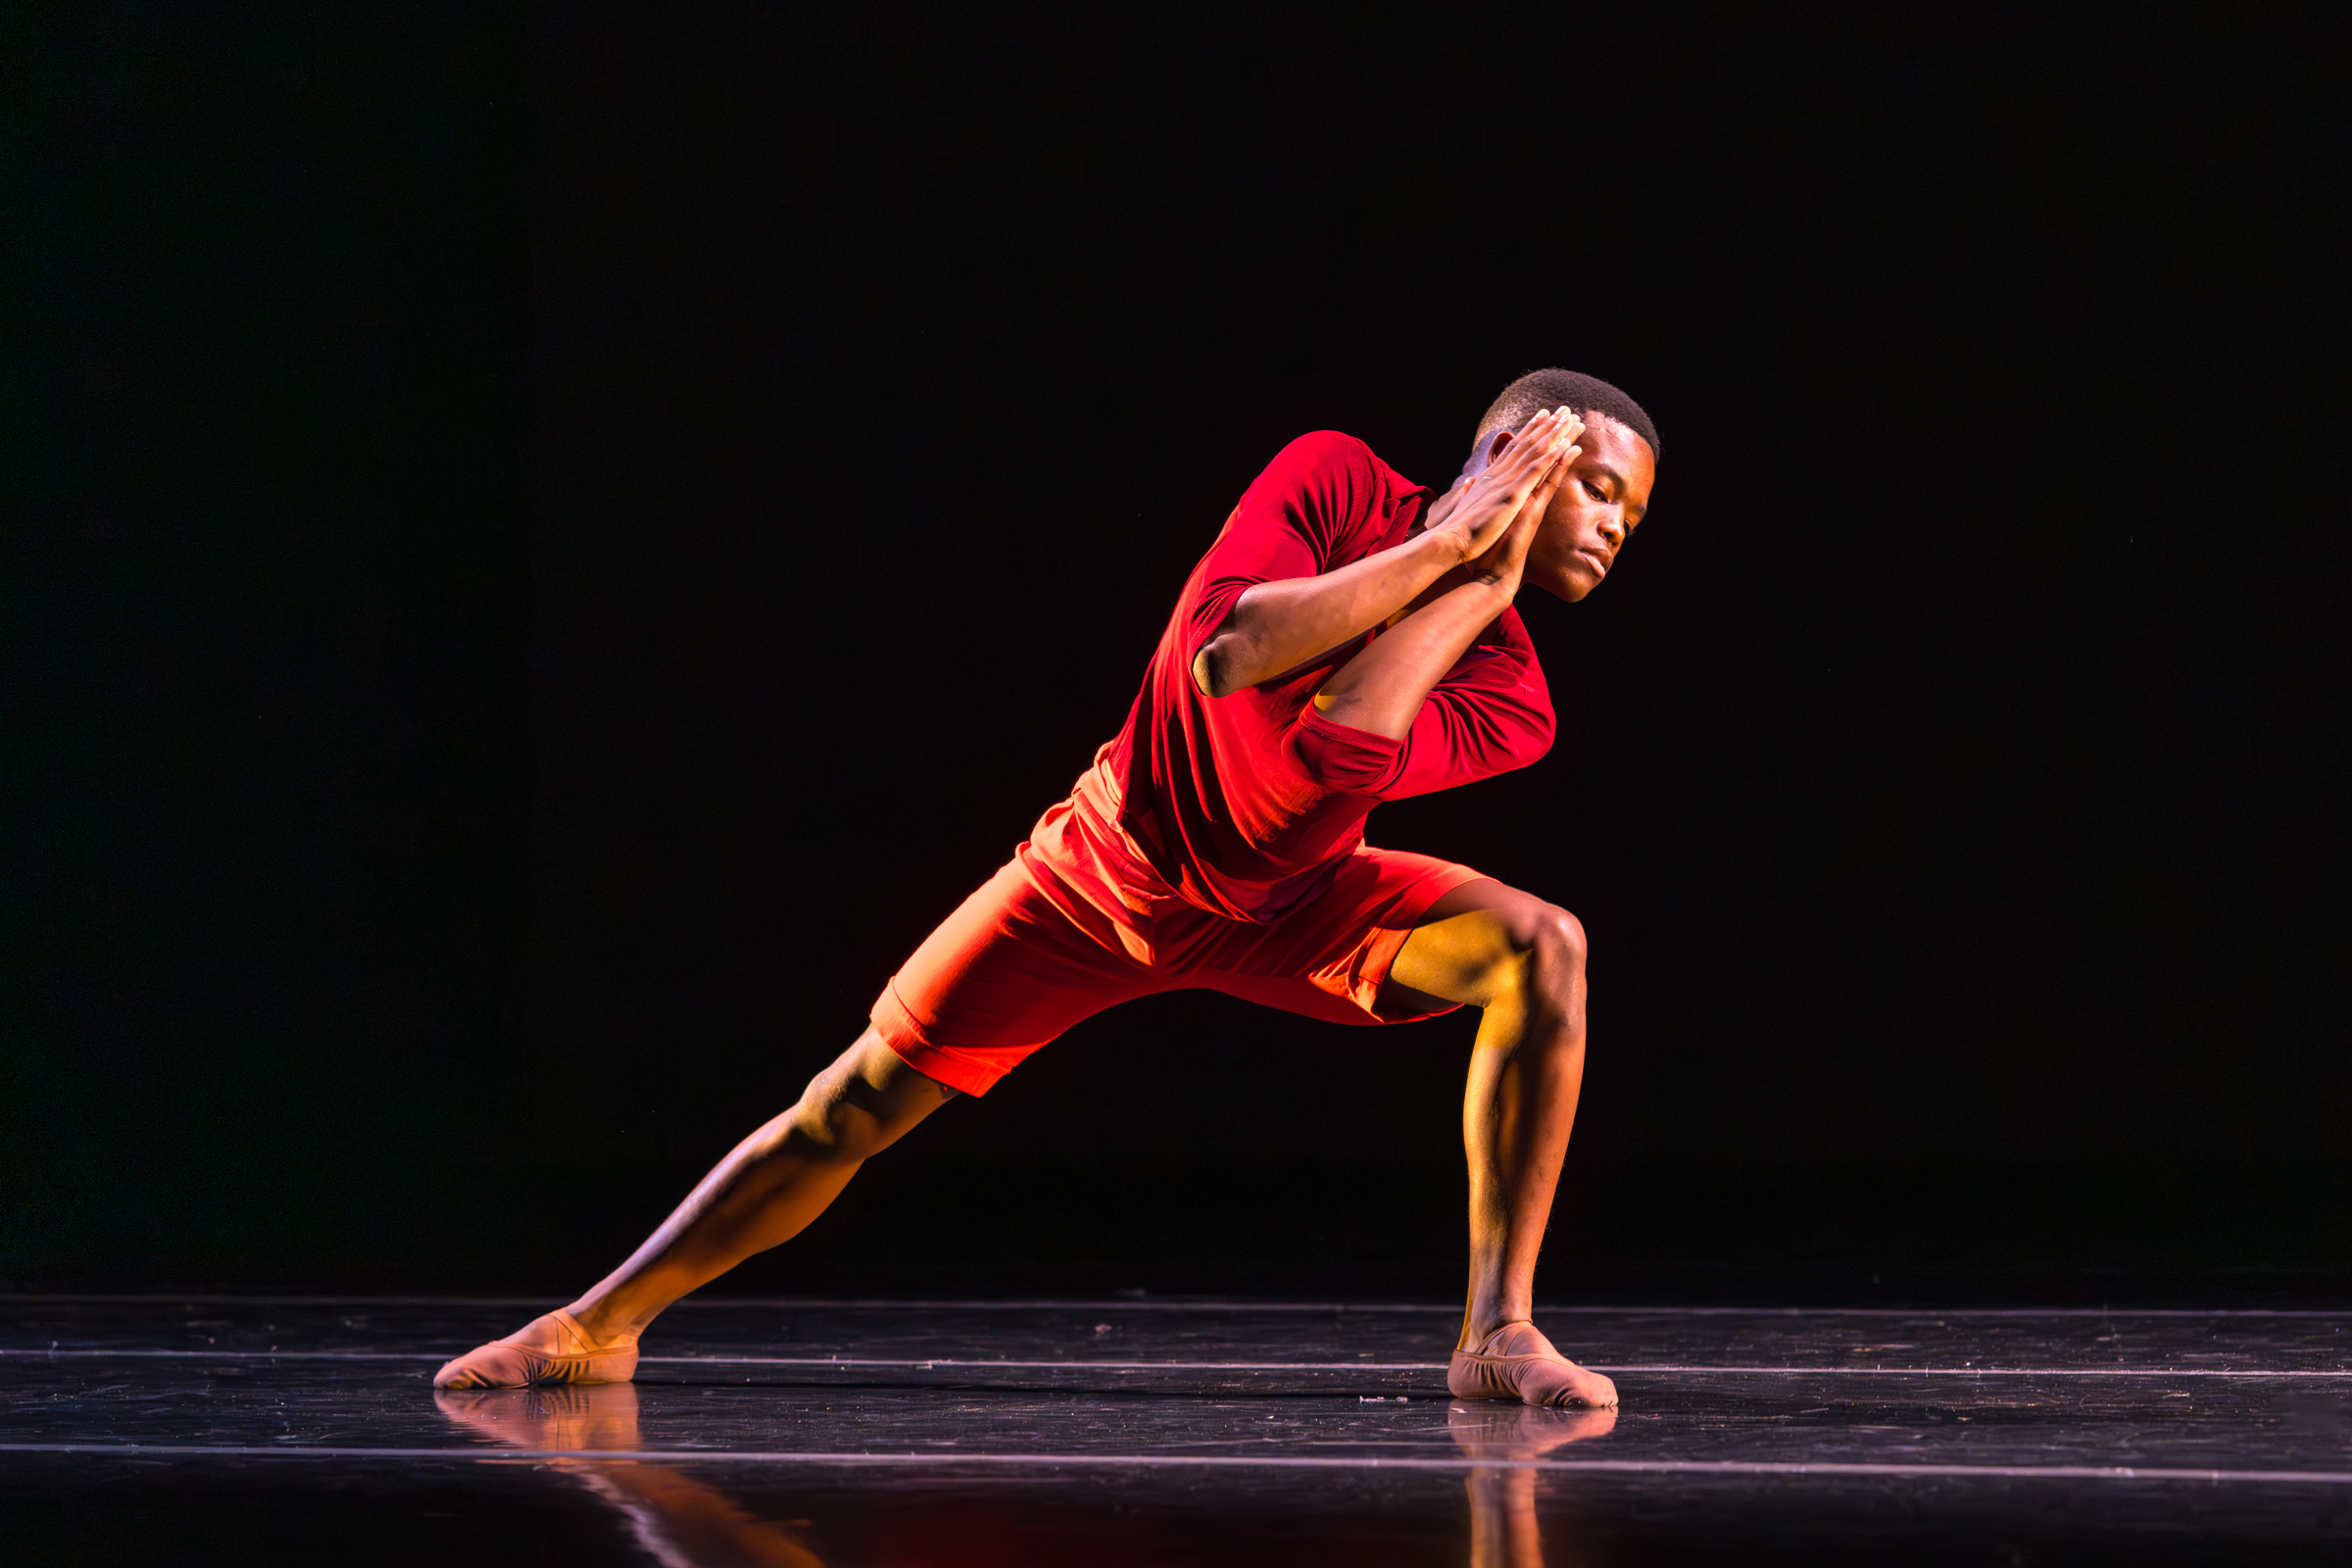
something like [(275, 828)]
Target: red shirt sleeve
[(1491, 713), (1304, 511)]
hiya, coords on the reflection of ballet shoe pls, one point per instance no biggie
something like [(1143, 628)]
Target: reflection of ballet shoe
[(1486, 1431), (682, 1522), (553, 1349), (596, 1416), (1517, 1363), (1504, 1528)]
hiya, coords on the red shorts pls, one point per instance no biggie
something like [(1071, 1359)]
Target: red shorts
[(1077, 921)]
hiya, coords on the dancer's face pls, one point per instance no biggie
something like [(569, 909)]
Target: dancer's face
[(1597, 507)]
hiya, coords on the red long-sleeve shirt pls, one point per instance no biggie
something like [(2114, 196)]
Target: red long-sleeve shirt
[(1245, 804)]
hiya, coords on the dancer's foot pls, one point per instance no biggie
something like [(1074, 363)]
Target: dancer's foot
[(1517, 1363), (553, 1349)]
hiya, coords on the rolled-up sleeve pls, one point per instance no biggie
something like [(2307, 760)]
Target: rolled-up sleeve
[(1491, 713), (1338, 758)]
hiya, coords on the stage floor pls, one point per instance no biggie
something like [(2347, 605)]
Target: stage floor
[(219, 1430)]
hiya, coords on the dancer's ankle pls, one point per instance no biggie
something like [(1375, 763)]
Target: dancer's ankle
[(1479, 1329), (602, 1323)]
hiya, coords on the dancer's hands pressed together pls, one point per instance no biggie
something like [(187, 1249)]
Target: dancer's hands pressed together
[(1278, 626), (1381, 690), (1475, 516), (1502, 563)]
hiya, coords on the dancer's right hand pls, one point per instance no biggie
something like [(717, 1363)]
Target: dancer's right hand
[(1485, 511)]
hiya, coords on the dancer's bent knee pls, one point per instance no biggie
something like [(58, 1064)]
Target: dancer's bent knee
[(860, 1106)]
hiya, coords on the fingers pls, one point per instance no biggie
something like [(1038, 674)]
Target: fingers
[(1549, 471), (1523, 527), (1535, 440), (1539, 444), (1538, 456), (1554, 427), (1504, 550), (1571, 429)]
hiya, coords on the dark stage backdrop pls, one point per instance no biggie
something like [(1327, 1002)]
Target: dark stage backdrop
[(266, 789), (565, 545)]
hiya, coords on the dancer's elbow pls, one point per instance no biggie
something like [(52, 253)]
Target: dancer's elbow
[(1214, 673)]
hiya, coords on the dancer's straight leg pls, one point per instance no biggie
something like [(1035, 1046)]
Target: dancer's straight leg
[(765, 1193), (770, 1187)]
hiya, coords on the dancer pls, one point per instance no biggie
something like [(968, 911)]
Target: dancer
[(1341, 643)]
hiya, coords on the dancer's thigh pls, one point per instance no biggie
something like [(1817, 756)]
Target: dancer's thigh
[(1331, 959), (1006, 973)]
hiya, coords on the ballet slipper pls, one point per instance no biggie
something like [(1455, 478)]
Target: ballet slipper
[(1517, 1363), (553, 1349)]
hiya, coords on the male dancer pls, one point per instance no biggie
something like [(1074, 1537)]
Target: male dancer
[(1340, 645)]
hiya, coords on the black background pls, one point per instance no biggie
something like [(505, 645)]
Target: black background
[(549, 548)]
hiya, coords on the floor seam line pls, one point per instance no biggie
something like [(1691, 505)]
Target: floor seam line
[(1725, 1467), (957, 1364)]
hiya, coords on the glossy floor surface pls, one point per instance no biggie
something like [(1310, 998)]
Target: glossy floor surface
[(845, 1433)]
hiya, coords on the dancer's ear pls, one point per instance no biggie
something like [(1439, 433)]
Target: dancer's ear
[(1488, 450), (1483, 455)]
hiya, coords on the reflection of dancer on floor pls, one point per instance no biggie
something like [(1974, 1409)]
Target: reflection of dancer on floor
[(681, 1522), (1503, 1531), (1345, 641), (686, 1523)]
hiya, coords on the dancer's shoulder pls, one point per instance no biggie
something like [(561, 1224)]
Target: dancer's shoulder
[(1337, 466), (1318, 449)]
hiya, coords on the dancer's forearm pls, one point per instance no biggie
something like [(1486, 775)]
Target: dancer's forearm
[(1277, 626), (1381, 689)]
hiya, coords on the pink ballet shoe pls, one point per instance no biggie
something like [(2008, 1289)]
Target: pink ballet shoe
[(553, 1349), (1517, 1363)]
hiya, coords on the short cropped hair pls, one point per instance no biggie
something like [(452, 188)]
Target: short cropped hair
[(1539, 390)]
